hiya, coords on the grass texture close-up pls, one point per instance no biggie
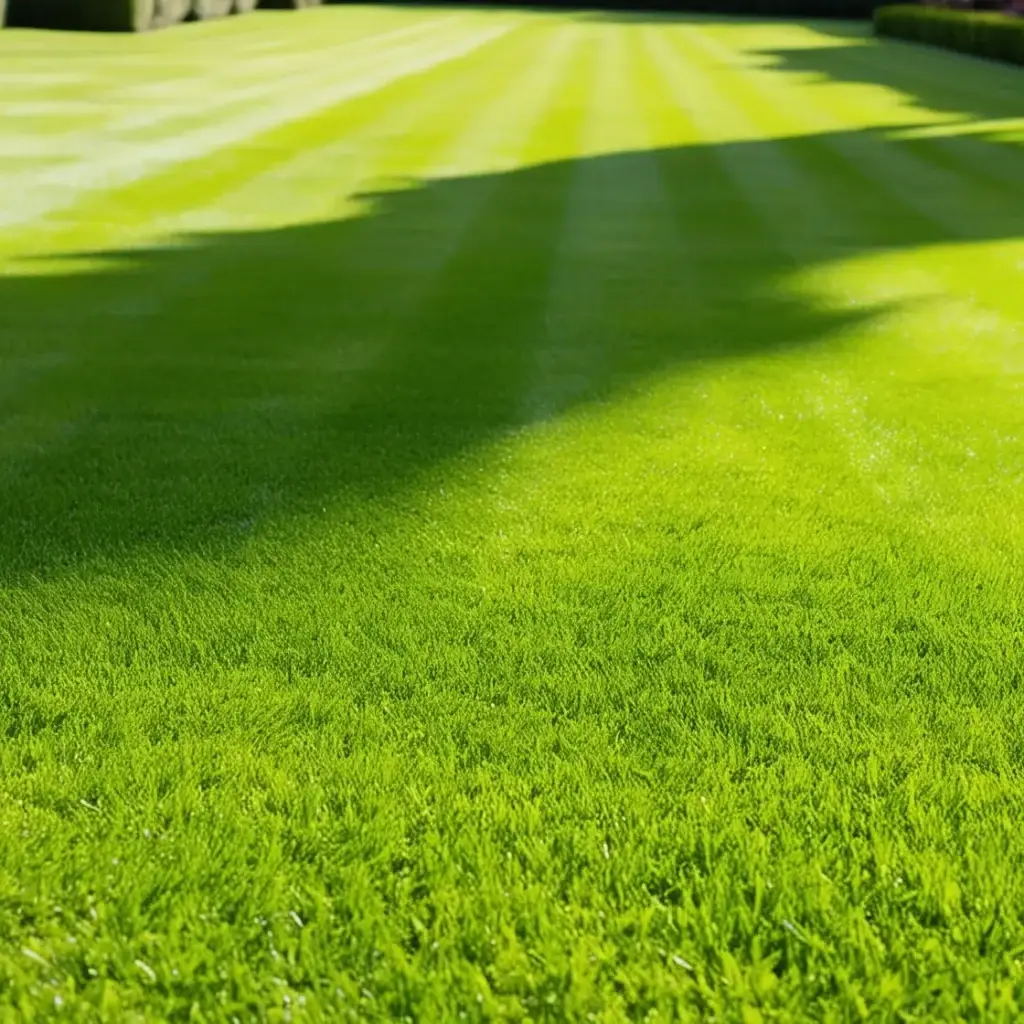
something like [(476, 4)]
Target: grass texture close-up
[(510, 516)]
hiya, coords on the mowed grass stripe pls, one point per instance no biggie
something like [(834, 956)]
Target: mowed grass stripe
[(202, 188), (875, 110), (572, 343), (48, 191), (863, 184), (713, 184), (784, 197), (397, 48), (492, 293), (818, 124), (259, 49), (617, 246)]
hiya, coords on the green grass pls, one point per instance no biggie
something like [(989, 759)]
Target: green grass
[(509, 516)]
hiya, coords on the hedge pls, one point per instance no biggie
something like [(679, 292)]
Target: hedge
[(128, 15), (996, 36), (203, 9), (101, 15), (138, 15)]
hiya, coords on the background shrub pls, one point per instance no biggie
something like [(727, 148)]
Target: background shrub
[(128, 15), (166, 12), (137, 15), (203, 9), (996, 36), (102, 15)]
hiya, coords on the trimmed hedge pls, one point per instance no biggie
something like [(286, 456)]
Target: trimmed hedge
[(996, 36), (128, 15), (166, 12), (100, 15), (204, 9), (139, 15)]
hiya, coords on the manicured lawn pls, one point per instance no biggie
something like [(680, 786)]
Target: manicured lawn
[(510, 516)]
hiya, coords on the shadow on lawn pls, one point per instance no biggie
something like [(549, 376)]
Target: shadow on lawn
[(930, 78), (186, 394)]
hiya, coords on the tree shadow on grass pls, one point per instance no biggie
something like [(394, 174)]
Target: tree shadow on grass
[(170, 399), (931, 78)]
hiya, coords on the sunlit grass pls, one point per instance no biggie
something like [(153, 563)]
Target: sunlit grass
[(519, 519)]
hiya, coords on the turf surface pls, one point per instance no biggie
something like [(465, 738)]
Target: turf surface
[(508, 516)]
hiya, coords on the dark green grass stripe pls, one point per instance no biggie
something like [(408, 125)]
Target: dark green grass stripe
[(940, 81), (736, 249), (993, 163), (485, 312), (612, 256), (970, 89), (845, 209), (955, 169), (932, 80)]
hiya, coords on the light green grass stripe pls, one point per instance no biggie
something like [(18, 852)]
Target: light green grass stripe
[(219, 98), (148, 89), (608, 199), (182, 187), (714, 218), (120, 164), (394, 138), (495, 285), (608, 319)]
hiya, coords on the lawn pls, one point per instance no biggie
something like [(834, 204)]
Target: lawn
[(510, 516)]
